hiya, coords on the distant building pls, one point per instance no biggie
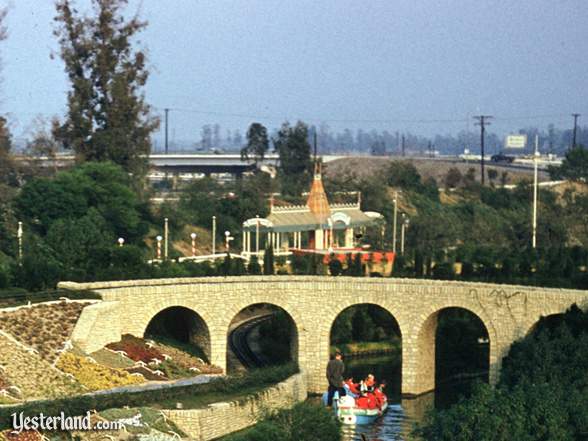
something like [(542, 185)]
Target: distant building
[(316, 227)]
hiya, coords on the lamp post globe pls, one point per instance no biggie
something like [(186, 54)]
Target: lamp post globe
[(193, 236)]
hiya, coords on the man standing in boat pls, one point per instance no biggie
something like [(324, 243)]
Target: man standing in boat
[(335, 369)]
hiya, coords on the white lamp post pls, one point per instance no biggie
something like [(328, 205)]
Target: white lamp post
[(535, 159), (213, 235), (165, 237), (19, 236), (394, 221), (257, 235), (159, 239), (193, 236), (404, 225), (228, 239), (121, 241)]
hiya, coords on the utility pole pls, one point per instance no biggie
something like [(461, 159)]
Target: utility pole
[(166, 129), (315, 146), (402, 145), (482, 122), (394, 220), (576, 116), (535, 158)]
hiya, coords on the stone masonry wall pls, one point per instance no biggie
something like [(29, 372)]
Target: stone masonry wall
[(313, 302), (220, 419)]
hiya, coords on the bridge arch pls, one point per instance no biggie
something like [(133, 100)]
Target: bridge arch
[(419, 358), (182, 324), (383, 326), (273, 323), (345, 306)]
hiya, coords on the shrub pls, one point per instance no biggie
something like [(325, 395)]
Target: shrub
[(44, 327), (304, 422), (93, 375)]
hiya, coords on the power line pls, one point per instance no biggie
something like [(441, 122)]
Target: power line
[(358, 121), (482, 122)]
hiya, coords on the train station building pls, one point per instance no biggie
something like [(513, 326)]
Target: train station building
[(317, 226)]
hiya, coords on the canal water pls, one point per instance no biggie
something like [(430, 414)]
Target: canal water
[(398, 422)]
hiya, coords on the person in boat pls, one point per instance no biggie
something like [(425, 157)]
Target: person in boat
[(379, 394), (368, 384), (351, 388), (335, 369), (367, 400)]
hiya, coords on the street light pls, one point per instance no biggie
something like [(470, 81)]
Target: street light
[(257, 235), (394, 221), (213, 235), (166, 237), (159, 239), (405, 222), (19, 236), (535, 160), (121, 241), (193, 236), (228, 239)]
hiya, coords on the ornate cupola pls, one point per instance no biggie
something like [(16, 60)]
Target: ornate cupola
[(317, 200)]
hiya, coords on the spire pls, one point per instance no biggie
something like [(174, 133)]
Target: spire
[(317, 199)]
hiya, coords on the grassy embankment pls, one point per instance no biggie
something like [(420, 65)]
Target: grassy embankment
[(234, 388), (362, 349)]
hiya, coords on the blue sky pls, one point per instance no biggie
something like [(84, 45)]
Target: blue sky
[(370, 64)]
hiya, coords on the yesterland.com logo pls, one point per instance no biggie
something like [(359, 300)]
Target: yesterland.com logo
[(62, 422)]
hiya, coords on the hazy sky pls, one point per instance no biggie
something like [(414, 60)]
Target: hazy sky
[(371, 64)]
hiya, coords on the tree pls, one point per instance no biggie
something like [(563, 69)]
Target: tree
[(206, 137), (492, 175), (542, 393), (42, 145), (453, 177), (294, 151), (335, 266), (268, 261), (8, 168), (574, 166), (403, 174), (107, 117), (254, 268), (257, 143), (103, 186)]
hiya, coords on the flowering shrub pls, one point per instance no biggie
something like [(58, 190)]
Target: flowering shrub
[(136, 349), (182, 361), (93, 375), (32, 377), (173, 362), (149, 374), (44, 327)]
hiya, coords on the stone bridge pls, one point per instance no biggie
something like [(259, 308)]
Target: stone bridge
[(508, 312)]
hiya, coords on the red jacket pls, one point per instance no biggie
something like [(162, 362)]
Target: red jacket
[(352, 387), (380, 397)]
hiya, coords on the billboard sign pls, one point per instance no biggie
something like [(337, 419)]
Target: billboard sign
[(516, 141)]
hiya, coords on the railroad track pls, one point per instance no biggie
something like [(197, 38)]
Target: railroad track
[(240, 347)]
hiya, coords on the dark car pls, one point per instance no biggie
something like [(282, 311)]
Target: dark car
[(501, 157)]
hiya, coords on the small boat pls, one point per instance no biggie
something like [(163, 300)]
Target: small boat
[(349, 413)]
